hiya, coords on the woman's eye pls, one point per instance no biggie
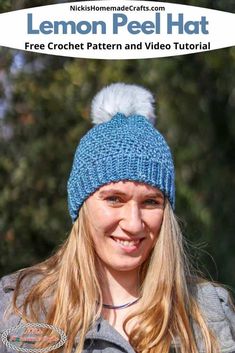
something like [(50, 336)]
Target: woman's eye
[(153, 202), (113, 199)]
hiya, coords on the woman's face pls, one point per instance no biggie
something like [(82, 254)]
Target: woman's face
[(125, 219)]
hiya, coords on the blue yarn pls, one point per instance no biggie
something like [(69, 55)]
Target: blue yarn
[(124, 148)]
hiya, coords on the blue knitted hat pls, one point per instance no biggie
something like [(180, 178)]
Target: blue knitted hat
[(124, 145)]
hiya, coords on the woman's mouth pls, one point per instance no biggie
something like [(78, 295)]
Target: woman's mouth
[(128, 245), (127, 242)]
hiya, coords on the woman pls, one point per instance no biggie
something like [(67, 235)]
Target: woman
[(121, 281)]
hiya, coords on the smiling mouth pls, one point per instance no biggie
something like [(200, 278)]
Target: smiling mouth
[(127, 243)]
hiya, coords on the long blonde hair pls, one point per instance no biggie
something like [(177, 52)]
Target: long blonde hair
[(67, 292)]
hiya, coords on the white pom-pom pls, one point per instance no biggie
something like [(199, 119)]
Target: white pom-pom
[(122, 98)]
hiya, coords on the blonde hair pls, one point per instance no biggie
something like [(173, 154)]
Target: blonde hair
[(68, 282)]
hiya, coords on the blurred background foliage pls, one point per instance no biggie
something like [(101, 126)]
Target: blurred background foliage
[(44, 110)]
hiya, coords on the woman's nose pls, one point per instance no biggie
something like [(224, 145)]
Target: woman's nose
[(131, 219)]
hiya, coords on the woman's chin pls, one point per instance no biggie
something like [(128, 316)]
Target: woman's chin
[(123, 267)]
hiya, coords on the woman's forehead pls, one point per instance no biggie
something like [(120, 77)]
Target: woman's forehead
[(127, 186)]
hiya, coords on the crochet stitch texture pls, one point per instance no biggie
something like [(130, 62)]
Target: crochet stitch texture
[(124, 148)]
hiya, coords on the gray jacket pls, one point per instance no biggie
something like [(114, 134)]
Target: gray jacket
[(103, 338)]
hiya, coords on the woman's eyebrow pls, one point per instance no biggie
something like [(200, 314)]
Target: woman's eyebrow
[(111, 191), (118, 192), (155, 194)]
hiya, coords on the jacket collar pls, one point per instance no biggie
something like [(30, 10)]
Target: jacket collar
[(102, 330)]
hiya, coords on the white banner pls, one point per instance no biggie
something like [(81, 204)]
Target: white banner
[(117, 29)]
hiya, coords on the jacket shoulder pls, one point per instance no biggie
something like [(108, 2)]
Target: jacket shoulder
[(7, 318), (8, 283), (7, 287), (217, 308)]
